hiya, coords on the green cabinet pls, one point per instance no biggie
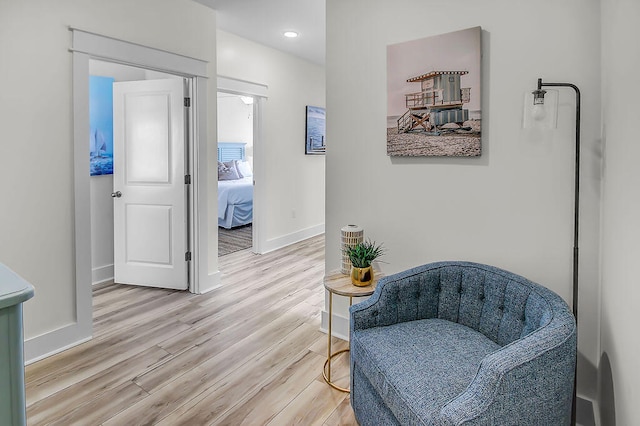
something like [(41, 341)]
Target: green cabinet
[(13, 292)]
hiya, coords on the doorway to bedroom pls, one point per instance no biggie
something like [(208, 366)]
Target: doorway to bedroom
[(235, 172), (119, 232)]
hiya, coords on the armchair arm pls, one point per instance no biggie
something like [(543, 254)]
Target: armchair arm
[(405, 296), (529, 381)]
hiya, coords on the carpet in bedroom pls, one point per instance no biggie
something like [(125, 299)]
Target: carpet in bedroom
[(235, 239)]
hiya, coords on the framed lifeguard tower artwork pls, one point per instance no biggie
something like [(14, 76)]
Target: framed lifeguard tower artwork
[(433, 96)]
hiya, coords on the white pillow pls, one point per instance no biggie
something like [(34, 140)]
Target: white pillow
[(244, 168)]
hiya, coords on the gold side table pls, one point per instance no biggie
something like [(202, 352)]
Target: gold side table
[(340, 284)]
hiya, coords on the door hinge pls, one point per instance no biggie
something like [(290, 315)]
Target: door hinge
[(187, 102), (187, 256), (187, 179)]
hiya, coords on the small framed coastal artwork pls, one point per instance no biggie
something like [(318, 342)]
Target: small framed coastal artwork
[(315, 131), (433, 96), (100, 125)]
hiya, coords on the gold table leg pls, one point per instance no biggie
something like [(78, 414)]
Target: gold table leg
[(326, 370)]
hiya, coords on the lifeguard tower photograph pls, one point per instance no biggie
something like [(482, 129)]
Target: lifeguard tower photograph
[(433, 96)]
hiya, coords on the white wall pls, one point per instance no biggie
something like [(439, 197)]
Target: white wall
[(619, 372), (101, 188), (36, 156), (295, 182), (513, 206), (118, 72), (235, 121)]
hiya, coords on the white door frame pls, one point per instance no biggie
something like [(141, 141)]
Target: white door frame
[(259, 93), (88, 46)]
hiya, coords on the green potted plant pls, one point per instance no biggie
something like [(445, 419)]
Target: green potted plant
[(361, 255)]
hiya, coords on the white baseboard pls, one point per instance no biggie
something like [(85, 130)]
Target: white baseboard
[(211, 282), (53, 342), (339, 325), (295, 237), (102, 274)]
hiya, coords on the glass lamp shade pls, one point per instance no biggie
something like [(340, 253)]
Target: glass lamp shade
[(540, 112)]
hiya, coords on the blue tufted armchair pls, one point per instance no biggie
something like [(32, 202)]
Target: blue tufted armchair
[(454, 343)]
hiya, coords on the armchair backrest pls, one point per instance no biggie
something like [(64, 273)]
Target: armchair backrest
[(501, 305)]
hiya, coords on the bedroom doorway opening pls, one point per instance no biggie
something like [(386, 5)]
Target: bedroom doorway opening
[(259, 93), (143, 254), (235, 118)]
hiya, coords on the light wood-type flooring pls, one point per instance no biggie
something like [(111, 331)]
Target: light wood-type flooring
[(247, 353)]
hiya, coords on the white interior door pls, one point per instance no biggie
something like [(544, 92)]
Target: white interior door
[(150, 220)]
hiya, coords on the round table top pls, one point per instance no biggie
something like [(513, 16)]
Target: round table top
[(338, 283)]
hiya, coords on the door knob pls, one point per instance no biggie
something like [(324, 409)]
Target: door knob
[(116, 194)]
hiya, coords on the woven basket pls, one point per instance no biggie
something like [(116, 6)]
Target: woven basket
[(350, 236)]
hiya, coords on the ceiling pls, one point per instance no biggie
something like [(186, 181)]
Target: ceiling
[(265, 21)]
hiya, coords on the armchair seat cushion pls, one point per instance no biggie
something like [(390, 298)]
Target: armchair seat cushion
[(417, 367)]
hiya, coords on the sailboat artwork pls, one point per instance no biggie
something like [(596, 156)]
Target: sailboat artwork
[(101, 125), (100, 159)]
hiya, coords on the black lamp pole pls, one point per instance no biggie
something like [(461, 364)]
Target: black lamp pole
[(576, 206)]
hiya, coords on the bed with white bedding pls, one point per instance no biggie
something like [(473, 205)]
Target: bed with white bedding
[(235, 186), (235, 202)]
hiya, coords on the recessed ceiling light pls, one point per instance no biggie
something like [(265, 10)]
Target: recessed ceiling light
[(290, 34)]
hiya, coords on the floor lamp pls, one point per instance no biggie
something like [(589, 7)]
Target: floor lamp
[(539, 114)]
